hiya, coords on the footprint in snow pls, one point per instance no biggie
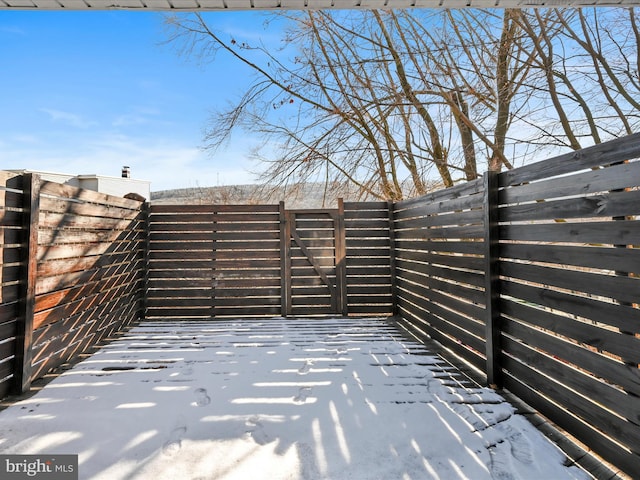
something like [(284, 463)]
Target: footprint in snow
[(306, 368), (256, 431), (174, 441), (202, 399), (302, 396), (499, 463), (520, 446)]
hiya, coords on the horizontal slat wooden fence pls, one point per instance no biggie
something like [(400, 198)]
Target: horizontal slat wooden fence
[(262, 260), (532, 276), (214, 261), (439, 254), (569, 263), (73, 272), (368, 258), (13, 245)]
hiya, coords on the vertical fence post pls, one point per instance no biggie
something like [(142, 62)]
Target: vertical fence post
[(392, 258), (146, 218), (492, 279), (285, 262), (215, 276), (24, 337), (341, 261)]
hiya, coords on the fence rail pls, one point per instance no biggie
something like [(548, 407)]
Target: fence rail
[(532, 276)]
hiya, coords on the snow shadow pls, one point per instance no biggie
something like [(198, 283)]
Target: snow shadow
[(277, 399)]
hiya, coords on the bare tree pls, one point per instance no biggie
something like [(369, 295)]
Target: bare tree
[(390, 100)]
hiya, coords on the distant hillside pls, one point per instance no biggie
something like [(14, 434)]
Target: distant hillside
[(309, 195)]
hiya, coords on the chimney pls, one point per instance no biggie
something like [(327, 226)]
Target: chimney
[(126, 172)]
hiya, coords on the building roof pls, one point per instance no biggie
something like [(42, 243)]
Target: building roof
[(212, 5)]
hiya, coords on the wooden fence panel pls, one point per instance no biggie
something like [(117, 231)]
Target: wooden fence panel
[(72, 273), (546, 300), (368, 257), (439, 263), (90, 271), (570, 286), (214, 261), (12, 255)]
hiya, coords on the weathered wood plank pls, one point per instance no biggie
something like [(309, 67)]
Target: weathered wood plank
[(231, 236), (354, 243), (259, 311), (455, 246), (602, 154), (74, 208), (417, 321), (364, 251), (383, 289), (619, 429), (241, 283), (258, 292), (246, 302), (626, 232), (601, 393), (625, 376), (590, 257), (24, 337), (453, 323), (461, 291), (454, 261), (620, 176), (369, 271), (456, 304), (625, 346), (462, 190), (118, 288), (177, 283), (463, 232), (368, 261), (364, 206), (604, 205), (451, 219), (602, 444), (619, 316), (67, 191), (620, 288)]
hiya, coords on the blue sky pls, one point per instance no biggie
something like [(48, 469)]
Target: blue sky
[(88, 92)]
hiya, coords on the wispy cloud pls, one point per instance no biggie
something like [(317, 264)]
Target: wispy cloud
[(12, 29), (69, 118), (167, 163), (139, 116)]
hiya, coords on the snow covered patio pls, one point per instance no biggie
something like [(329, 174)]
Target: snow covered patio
[(277, 399)]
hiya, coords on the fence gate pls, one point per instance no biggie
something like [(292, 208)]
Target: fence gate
[(314, 273)]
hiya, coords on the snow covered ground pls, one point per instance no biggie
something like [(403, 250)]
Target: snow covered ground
[(277, 399)]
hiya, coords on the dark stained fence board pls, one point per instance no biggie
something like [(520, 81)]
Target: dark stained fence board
[(609, 313), (608, 232), (612, 178), (616, 287), (602, 258), (90, 271), (602, 154), (586, 333), (598, 441), (12, 254), (588, 360), (568, 303), (604, 396), (603, 205)]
